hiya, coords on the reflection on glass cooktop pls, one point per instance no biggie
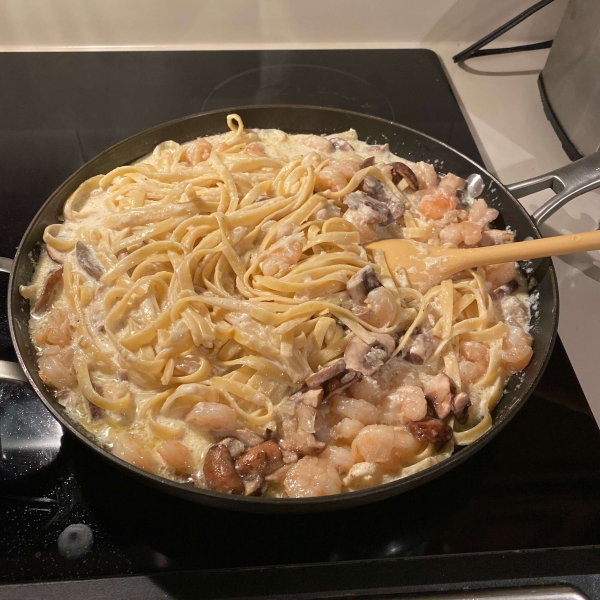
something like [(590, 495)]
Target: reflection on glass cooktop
[(534, 486)]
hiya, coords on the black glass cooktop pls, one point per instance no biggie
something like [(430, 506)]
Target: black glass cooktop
[(534, 486)]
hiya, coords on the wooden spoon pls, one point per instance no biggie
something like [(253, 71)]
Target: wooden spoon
[(429, 265)]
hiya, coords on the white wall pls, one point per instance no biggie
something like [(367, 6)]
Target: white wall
[(137, 24)]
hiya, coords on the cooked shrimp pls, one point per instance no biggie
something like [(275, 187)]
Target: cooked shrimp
[(426, 175), (386, 445), (340, 458), (56, 367), (212, 415), (513, 312), (58, 329), (256, 149), (497, 275), (481, 214), (177, 456), (132, 450), (406, 446), (320, 144), (405, 403), (347, 429), (374, 443), (364, 220), (332, 177), (366, 388), (516, 349), (352, 408), (473, 361), (198, 151), (312, 476), (459, 233), (380, 308), (437, 204), (452, 181), (348, 167), (283, 254)]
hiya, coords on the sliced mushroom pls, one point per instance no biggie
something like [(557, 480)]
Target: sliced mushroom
[(420, 348), (56, 255), (49, 288), (367, 162), (368, 358), (260, 460), (311, 397), (219, 472), (401, 171), (340, 383), (439, 393), (460, 407), (95, 411), (89, 263), (341, 144), (360, 200), (504, 290), (376, 189), (235, 447), (293, 438), (430, 430), (252, 463), (316, 380), (361, 283)]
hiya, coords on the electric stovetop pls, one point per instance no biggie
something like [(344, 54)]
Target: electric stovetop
[(534, 487)]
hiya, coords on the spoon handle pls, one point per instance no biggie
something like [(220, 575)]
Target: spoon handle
[(550, 246)]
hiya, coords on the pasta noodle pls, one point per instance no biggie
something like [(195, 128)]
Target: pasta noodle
[(217, 304)]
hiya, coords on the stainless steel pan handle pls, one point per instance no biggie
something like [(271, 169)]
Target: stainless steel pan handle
[(568, 182), (10, 371)]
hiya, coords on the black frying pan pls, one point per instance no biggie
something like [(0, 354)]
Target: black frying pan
[(569, 182)]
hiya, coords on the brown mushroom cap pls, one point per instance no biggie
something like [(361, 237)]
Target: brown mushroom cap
[(379, 191), (341, 144), (89, 263), (340, 383), (219, 472), (430, 430), (401, 171), (316, 380), (49, 288), (380, 210), (361, 283), (367, 162)]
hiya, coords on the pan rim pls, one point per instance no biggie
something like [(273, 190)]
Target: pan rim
[(255, 503)]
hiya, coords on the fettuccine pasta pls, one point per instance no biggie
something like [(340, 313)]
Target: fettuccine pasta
[(210, 314)]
